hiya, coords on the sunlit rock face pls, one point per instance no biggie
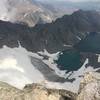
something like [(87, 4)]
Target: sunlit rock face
[(29, 12), (25, 11), (33, 92), (90, 87)]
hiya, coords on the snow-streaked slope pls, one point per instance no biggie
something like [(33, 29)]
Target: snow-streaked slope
[(24, 11), (30, 12), (17, 69)]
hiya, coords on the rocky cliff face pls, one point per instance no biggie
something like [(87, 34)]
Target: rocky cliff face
[(90, 87), (56, 36), (33, 92)]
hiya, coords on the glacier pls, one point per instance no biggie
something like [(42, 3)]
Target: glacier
[(17, 69)]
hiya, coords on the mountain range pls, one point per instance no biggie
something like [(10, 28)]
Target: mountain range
[(59, 35), (31, 12), (59, 52)]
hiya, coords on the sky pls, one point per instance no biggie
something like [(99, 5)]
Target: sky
[(73, 0), (78, 4)]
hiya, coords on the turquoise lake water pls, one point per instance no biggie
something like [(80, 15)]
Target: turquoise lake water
[(70, 60)]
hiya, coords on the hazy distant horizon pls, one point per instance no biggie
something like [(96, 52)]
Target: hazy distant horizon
[(74, 4), (71, 0)]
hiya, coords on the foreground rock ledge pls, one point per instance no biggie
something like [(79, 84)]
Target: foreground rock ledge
[(89, 90), (90, 87), (33, 92)]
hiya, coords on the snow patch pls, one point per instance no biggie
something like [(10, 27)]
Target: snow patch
[(16, 67), (50, 62), (17, 70), (98, 57), (10, 63), (65, 45), (78, 37)]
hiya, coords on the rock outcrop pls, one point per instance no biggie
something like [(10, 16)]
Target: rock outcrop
[(89, 90), (33, 92), (90, 87)]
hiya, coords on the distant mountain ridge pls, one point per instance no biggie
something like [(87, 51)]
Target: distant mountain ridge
[(70, 29), (56, 36), (31, 12)]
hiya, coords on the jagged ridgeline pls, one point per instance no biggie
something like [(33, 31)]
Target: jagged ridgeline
[(79, 32), (56, 36)]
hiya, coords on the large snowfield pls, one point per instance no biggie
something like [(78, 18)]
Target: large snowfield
[(17, 69)]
